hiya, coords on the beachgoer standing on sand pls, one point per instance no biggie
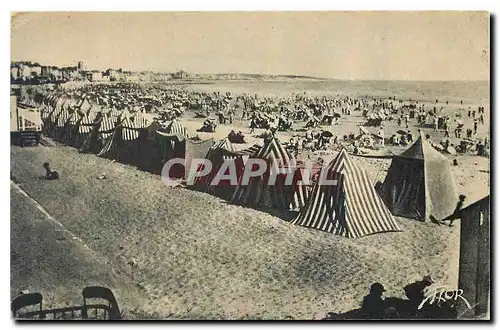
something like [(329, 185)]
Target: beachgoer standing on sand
[(436, 124), (380, 133), (409, 137), (253, 125), (373, 306), (475, 126)]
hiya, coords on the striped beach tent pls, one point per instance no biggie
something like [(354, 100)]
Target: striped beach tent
[(225, 189), (107, 126), (85, 127), (259, 193), (140, 119), (130, 133), (195, 150), (249, 151), (71, 130), (224, 143), (126, 140), (61, 123), (115, 114), (222, 151), (106, 132), (351, 207), (178, 146), (49, 114)]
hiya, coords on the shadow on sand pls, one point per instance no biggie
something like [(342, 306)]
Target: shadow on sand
[(400, 309)]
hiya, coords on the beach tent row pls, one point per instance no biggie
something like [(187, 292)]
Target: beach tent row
[(129, 139), (111, 133), (352, 208)]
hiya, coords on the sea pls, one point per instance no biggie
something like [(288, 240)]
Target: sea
[(466, 93)]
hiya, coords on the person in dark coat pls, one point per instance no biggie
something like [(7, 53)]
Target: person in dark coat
[(232, 136), (373, 306), (409, 137)]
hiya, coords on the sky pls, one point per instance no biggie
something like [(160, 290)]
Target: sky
[(341, 45)]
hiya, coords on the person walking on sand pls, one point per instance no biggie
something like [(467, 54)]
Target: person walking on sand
[(446, 131), (253, 125), (456, 214)]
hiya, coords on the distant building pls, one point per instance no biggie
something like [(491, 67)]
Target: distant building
[(36, 70), (95, 76), (180, 75), (81, 66), (14, 72), (55, 74), (24, 71), (69, 73), (45, 72), (112, 74), (51, 73)]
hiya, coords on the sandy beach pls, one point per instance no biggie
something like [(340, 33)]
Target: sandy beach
[(236, 262)]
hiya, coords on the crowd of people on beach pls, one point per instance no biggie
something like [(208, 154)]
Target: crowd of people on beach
[(298, 112)]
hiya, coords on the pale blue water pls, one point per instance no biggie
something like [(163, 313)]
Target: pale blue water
[(471, 93)]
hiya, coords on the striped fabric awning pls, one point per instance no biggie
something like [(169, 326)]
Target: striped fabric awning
[(350, 208), (225, 144), (249, 151), (86, 123), (175, 127), (107, 127), (217, 155), (130, 129), (62, 118), (74, 118)]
